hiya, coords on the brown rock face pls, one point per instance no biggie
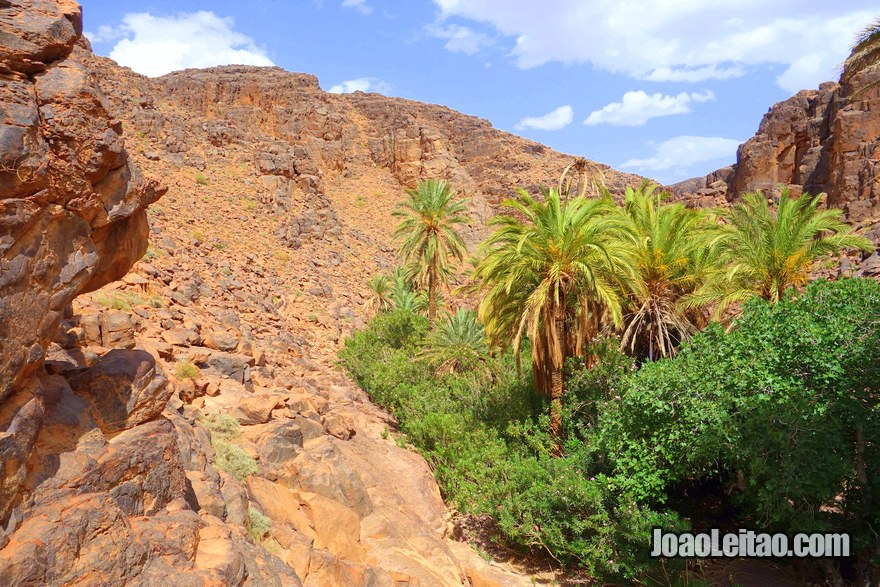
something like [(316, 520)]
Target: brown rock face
[(72, 207), (825, 140), (124, 388), (302, 138)]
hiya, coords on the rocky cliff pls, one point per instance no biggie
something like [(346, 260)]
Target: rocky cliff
[(825, 140), (72, 207)]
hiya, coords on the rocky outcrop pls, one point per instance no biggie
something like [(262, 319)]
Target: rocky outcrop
[(825, 140), (72, 206)]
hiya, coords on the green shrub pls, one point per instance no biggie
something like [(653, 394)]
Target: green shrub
[(201, 179), (233, 459), (121, 300), (258, 525), (781, 408), (186, 370), (223, 426)]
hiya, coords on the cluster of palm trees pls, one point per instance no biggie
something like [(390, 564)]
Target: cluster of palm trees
[(560, 269)]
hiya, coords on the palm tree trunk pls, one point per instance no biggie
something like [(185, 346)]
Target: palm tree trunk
[(557, 383), (432, 297), (557, 389)]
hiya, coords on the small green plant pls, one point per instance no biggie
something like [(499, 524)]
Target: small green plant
[(223, 426), (233, 459), (258, 525), (186, 370), (121, 300), (827, 263), (221, 245), (197, 235), (312, 317), (385, 433), (250, 205), (360, 202), (282, 255), (201, 179)]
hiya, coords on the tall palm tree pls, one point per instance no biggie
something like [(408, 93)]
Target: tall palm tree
[(457, 345), (429, 237), (381, 287), (548, 272), (764, 252), (673, 253), (865, 56)]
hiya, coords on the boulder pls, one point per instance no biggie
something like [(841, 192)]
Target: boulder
[(235, 366), (117, 330), (94, 545), (281, 443), (16, 445), (141, 469), (256, 410), (124, 388), (322, 470), (339, 425)]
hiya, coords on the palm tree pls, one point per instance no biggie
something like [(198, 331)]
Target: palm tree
[(765, 252), (549, 272), (673, 253), (429, 238), (865, 56), (381, 287), (403, 297), (457, 345), (583, 167)]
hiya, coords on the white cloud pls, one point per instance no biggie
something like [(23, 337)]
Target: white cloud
[(359, 5), (680, 153), (637, 108), (361, 84), (677, 40), (460, 38), (105, 34), (667, 74), (555, 120), (156, 45)]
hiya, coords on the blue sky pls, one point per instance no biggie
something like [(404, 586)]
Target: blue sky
[(663, 88)]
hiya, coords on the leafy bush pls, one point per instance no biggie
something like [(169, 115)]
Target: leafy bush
[(784, 405), (223, 426), (186, 370), (233, 459), (228, 456), (782, 410), (258, 525)]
